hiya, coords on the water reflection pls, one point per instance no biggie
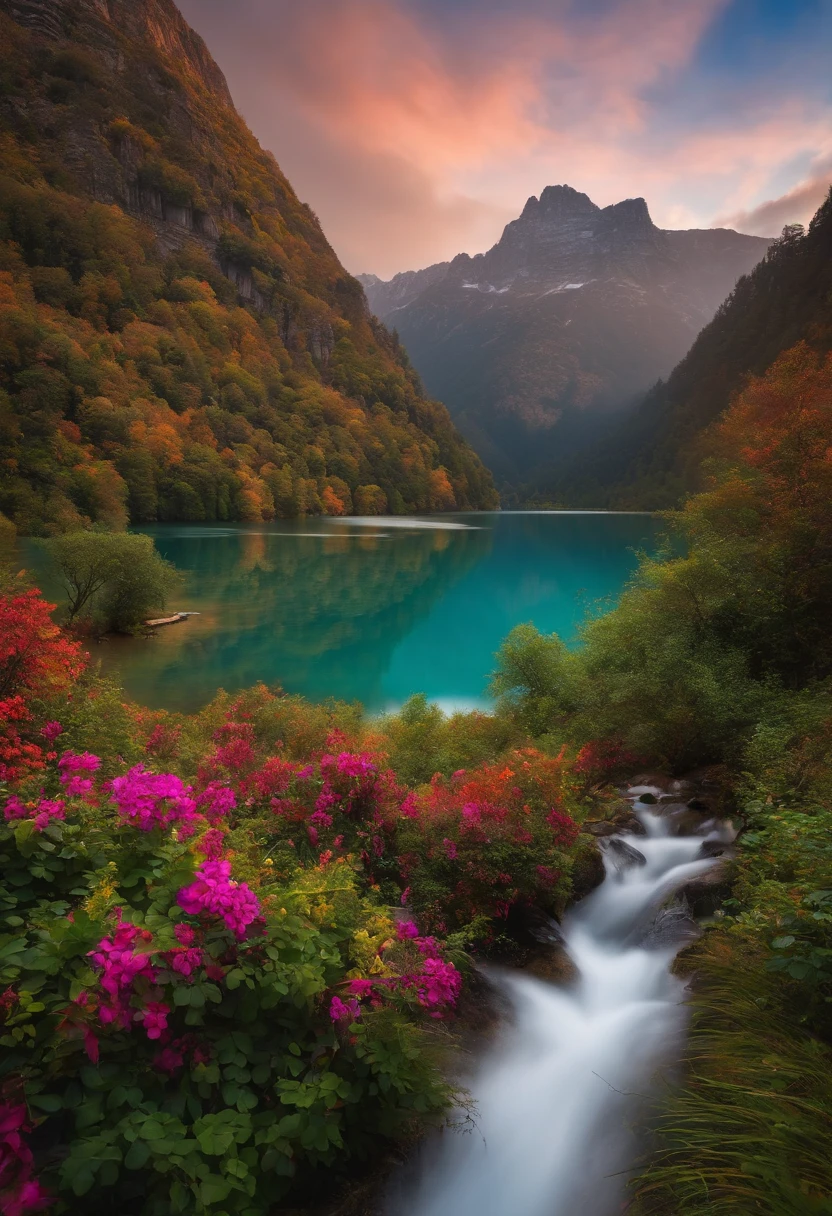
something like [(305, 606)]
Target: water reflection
[(371, 609)]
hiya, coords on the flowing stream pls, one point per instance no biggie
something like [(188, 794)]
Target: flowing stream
[(556, 1099)]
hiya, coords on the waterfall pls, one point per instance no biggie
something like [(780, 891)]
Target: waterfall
[(557, 1097)]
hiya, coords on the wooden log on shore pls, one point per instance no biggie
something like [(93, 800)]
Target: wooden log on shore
[(170, 620)]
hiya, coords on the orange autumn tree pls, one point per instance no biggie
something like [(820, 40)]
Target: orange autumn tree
[(768, 517)]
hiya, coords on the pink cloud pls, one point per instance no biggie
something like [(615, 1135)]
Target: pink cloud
[(796, 206), (417, 133)]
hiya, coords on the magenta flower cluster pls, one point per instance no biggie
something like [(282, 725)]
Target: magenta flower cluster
[(41, 815), (75, 769), (19, 1191), (154, 800), (120, 965), (435, 982), (215, 892), (343, 1011), (216, 802)]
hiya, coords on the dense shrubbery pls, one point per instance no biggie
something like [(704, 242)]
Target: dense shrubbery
[(228, 942)]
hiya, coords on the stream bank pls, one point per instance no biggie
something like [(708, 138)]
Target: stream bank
[(559, 1094)]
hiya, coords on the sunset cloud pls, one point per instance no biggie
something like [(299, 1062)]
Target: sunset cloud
[(416, 129)]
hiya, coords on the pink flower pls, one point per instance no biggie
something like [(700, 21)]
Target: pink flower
[(450, 849), (169, 1060), (51, 730), (30, 1197), (409, 809), (325, 800), (78, 787), (77, 762), (91, 1044), (215, 892), (155, 1018), (211, 843), (405, 896), (46, 812), (361, 988), (186, 962), (471, 814), (120, 966), (149, 800), (340, 1011), (438, 983), (406, 929), (350, 765), (21, 1193), (184, 934), (216, 801), (14, 809), (320, 819)]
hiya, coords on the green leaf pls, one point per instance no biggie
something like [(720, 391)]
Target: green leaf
[(214, 1189), (138, 1155), (47, 1102), (214, 1141)]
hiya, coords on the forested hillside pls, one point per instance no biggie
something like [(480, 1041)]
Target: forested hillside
[(179, 341), (654, 458)]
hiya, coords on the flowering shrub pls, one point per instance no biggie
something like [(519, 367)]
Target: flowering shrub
[(476, 845), (208, 987), (180, 1036)]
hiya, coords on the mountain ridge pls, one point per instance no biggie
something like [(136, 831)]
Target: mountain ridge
[(490, 333), (653, 461)]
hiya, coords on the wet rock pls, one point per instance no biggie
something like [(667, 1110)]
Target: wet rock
[(601, 827), (684, 822), (673, 925), (632, 826), (699, 804), (706, 894), (715, 848), (556, 967), (623, 855), (648, 799), (587, 871)]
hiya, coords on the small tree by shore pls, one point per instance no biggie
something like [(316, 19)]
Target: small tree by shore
[(113, 580)]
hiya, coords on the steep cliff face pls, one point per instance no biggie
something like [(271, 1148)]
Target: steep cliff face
[(576, 310), (144, 227)]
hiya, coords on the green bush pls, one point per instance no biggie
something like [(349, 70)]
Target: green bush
[(113, 580)]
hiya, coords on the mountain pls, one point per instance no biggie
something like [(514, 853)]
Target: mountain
[(654, 458), (387, 297), (572, 315), (179, 340)]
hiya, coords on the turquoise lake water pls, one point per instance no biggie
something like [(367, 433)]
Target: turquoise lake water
[(371, 609)]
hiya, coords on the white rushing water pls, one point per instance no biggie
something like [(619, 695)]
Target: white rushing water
[(556, 1098)]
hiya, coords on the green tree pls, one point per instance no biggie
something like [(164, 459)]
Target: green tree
[(112, 579)]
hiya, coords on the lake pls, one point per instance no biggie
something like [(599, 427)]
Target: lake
[(371, 609)]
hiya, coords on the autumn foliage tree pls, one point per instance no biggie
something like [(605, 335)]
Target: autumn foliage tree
[(37, 662)]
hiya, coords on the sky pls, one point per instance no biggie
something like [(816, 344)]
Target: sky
[(416, 129)]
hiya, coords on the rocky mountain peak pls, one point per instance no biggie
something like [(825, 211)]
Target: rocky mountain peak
[(559, 203), (631, 213)]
